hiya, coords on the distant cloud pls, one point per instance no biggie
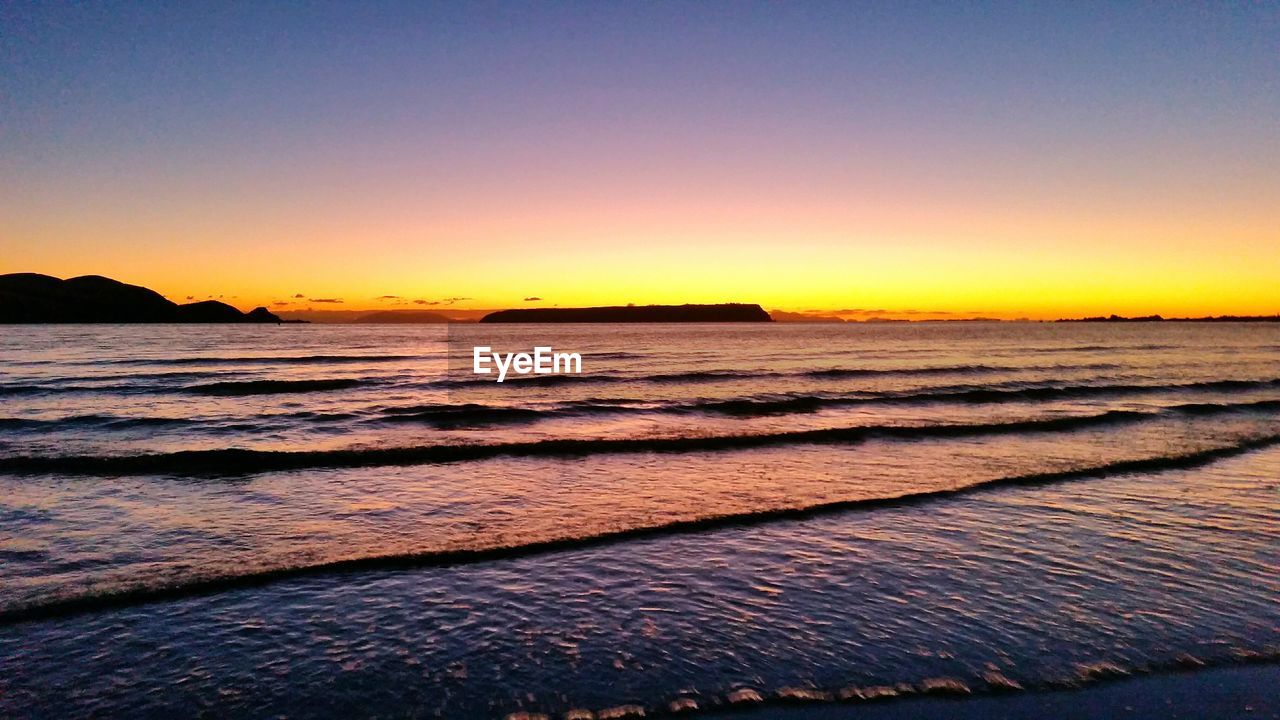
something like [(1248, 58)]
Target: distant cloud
[(884, 311), (533, 299), (388, 297), (191, 297), (326, 300), (442, 301), (804, 316), (281, 302)]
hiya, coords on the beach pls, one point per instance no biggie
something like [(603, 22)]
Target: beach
[(235, 518), (588, 361)]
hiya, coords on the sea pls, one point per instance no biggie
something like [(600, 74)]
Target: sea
[(337, 521)]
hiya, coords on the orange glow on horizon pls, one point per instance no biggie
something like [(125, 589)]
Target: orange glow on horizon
[(582, 232), (869, 263)]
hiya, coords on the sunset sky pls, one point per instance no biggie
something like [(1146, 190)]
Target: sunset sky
[(895, 158)]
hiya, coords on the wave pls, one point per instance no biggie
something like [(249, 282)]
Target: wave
[(465, 556), (470, 414), (829, 373), (1220, 408), (476, 414), (313, 416), (989, 682), (114, 422), (614, 355), (986, 395), (266, 360), (745, 406), (463, 359), (16, 390), (65, 380), (544, 380), (954, 370), (234, 388), (1013, 391), (102, 421), (698, 376), (223, 387), (446, 416), (238, 461), (1099, 348)]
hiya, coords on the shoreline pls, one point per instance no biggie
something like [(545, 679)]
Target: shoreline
[(1225, 692)]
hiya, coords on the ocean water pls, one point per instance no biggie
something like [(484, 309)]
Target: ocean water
[(339, 521)]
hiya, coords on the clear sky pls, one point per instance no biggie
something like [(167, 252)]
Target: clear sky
[(1024, 159)]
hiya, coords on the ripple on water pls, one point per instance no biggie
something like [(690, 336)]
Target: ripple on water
[(981, 612)]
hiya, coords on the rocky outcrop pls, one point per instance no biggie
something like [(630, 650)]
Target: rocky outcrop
[(208, 311), (261, 315)]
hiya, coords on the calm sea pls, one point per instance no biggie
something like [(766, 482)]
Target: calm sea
[(340, 521)]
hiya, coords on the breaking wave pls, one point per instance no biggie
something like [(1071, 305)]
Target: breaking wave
[(237, 461), (445, 558), (233, 388)]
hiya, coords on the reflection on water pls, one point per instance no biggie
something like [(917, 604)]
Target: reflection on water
[(172, 472)]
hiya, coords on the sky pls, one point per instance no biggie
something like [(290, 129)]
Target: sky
[(862, 158)]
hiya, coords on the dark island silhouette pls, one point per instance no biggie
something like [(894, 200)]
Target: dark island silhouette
[(725, 312), (1159, 318), (36, 298)]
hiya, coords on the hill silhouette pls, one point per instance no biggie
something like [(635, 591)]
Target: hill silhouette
[(36, 298), (726, 312)]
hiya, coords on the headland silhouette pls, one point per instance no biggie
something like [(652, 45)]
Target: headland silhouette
[(36, 298)]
